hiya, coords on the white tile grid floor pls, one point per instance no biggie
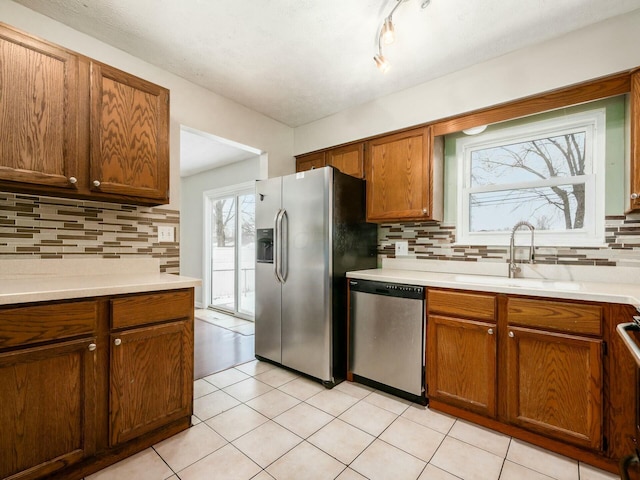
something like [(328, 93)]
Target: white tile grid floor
[(235, 324), (257, 421)]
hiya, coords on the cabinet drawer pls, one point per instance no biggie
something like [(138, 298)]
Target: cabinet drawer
[(559, 316), (462, 304), (41, 323), (151, 308)]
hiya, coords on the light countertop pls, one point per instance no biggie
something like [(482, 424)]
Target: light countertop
[(609, 292), (19, 282)]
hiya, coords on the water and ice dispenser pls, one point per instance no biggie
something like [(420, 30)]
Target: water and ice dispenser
[(264, 244)]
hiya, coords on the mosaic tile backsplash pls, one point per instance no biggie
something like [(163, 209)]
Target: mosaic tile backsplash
[(45, 227), (436, 241)]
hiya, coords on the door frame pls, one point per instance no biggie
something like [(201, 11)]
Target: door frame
[(208, 198)]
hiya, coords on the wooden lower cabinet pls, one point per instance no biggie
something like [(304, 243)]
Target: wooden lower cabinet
[(150, 379), (462, 365), (555, 385), (47, 408), (553, 373), (84, 384)]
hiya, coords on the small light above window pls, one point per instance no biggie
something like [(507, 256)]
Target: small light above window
[(474, 130)]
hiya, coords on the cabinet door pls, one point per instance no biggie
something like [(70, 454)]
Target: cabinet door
[(310, 161), (554, 385), (635, 141), (151, 379), (348, 159), (38, 112), (47, 408), (461, 363), (398, 172), (129, 135)]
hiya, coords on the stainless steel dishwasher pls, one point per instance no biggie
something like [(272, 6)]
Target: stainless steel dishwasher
[(387, 337)]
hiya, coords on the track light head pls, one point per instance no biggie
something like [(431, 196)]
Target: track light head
[(387, 33), (381, 63)]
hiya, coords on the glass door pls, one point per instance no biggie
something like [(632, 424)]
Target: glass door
[(246, 254), (233, 252)]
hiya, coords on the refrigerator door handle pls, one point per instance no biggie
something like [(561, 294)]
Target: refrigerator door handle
[(277, 264), (284, 242)]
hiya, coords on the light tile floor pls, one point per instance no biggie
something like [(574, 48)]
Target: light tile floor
[(235, 324), (261, 422)]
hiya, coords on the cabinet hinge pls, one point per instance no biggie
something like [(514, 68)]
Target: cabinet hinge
[(605, 349), (605, 444), (426, 389)]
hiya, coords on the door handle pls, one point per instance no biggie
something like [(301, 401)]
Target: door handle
[(277, 264), (284, 243)]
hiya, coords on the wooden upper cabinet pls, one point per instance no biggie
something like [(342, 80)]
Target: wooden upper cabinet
[(129, 135), (555, 385), (76, 128), (310, 161), (38, 112), (404, 177), (634, 203), (348, 159)]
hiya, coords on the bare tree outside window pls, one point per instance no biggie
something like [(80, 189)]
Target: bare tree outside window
[(224, 215), (540, 180), (547, 171)]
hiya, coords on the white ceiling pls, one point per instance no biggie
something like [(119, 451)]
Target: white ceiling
[(297, 61), (300, 60), (200, 151)]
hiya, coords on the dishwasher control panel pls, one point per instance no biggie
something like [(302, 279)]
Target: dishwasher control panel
[(389, 289)]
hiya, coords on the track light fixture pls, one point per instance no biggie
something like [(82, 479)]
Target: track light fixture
[(387, 35), (381, 63)]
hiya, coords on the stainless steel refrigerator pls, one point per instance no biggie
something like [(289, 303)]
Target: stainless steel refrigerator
[(311, 230)]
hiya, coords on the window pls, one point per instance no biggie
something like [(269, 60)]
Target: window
[(230, 249), (549, 173)]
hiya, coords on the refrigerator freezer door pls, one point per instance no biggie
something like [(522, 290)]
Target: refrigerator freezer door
[(306, 293), (268, 289)]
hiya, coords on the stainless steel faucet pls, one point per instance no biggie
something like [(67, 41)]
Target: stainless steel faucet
[(513, 268)]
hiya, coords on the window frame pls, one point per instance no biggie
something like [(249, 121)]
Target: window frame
[(592, 233)]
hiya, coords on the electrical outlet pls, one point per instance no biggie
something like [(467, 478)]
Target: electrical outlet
[(402, 248), (166, 234)]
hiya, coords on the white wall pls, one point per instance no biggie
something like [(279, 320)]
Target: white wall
[(191, 105), (602, 49), (191, 216)]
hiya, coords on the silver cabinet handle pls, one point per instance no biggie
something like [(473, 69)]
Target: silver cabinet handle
[(511, 334), (634, 196), (73, 180), (117, 341), (92, 347), (96, 183), (490, 331), (424, 210)]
